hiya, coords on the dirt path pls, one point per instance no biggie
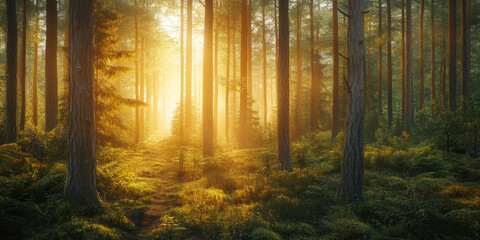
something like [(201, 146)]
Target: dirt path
[(154, 163)]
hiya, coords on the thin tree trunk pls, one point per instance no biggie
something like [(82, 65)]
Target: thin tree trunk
[(352, 166), (409, 79), (142, 87), (452, 55), (249, 61), (137, 97), (81, 178), (380, 70), (422, 62), (51, 81), (65, 54), (22, 63), (368, 99), (264, 44), (299, 68), (465, 80), (335, 93), (215, 107), (182, 72), (234, 71), (389, 65), (432, 56), (208, 130), (403, 65), (314, 84), (227, 84), (242, 133), (11, 72), (35, 70), (155, 102), (283, 89), (274, 99), (188, 77)]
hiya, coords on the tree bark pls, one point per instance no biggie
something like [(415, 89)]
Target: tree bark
[(22, 64), (283, 89), (188, 77), (51, 81), (380, 70), (264, 45), (208, 81), (11, 72), (227, 84), (142, 87), (403, 65), (242, 133), (137, 97), (81, 178), (215, 104), (389, 65), (182, 72), (314, 84), (65, 53), (452, 55), (299, 67), (465, 49), (335, 93), (409, 75), (432, 56), (352, 166), (422, 62), (35, 70)]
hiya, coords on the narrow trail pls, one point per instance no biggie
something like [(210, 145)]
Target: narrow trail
[(155, 162)]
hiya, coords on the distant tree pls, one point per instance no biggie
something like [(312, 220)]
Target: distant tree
[(81, 179), (422, 61), (11, 72), (137, 97), (352, 166), (452, 55), (389, 65), (182, 73), (283, 89), (51, 79), (35, 69), (264, 48), (23, 55), (465, 80), (242, 133), (403, 63), (432, 55), (314, 84), (227, 83), (335, 92), (298, 100), (409, 75), (188, 77), (208, 81), (380, 70)]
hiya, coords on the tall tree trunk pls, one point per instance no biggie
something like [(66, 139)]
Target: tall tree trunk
[(299, 69), (389, 65), (432, 56), (352, 166), (182, 72), (51, 82), (227, 84), (188, 77), (215, 105), (422, 62), (11, 72), (22, 63), (137, 97), (274, 97), (452, 55), (444, 70), (403, 64), (65, 53), (142, 87), (35, 70), (81, 178), (335, 93), (242, 133), (369, 96), (380, 70), (314, 84), (249, 61), (234, 118), (283, 89), (208, 81), (465, 80), (264, 44), (409, 74)]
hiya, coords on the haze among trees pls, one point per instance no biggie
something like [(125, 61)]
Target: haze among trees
[(239, 119)]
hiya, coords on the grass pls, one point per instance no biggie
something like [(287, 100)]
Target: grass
[(163, 191)]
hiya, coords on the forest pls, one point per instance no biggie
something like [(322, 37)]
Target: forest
[(239, 119)]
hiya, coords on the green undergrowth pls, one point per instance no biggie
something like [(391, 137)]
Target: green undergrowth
[(411, 192), (32, 179)]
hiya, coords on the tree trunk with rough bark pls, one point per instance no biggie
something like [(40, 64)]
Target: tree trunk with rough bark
[(22, 64), (422, 61), (208, 81), (11, 72), (51, 81), (242, 133), (283, 89), (409, 75), (335, 92), (452, 55), (465, 80), (389, 65), (352, 165), (81, 179)]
